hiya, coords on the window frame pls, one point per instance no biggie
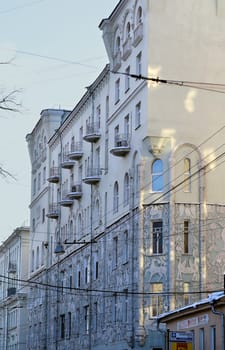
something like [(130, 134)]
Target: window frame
[(157, 176)]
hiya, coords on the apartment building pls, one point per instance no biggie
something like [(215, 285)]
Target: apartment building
[(13, 290), (133, 224)]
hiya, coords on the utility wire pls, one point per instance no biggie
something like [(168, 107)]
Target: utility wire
[(185, 83)]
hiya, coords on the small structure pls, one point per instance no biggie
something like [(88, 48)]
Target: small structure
[(203, 319)]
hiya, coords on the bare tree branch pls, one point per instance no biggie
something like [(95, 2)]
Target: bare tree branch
[(9, 102)]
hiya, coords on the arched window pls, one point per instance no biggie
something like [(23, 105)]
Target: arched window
[(187, 174), (116, 197), (139, 15), (128, 30), (126, 189), (157, 175)]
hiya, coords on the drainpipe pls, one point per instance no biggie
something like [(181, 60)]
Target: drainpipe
[(219, 313)]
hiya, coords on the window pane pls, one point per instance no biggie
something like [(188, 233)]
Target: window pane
[(157, 175)]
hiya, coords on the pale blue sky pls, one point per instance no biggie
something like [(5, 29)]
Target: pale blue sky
[(66, 30)]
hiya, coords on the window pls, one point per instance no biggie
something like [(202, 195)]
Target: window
[(157, 175), (186, 237), (117, 91), (78, 279), (125, 305), (32, 261), (86, 318), (201, 339), (212, 338), (156, 299), (139, 15), (43, 215), (117, 46), (98, 115), (33, 225), (126, 190), (127, 78), (69, 324), (157, 233), (116, 197), (44, 175), (87, 270), (39, 181), (187, 174), (95, 317), (137, 179), (37, 258), (125, 246), (186, 293), (126, 126), (138, 115), (77, 321), (138, 64), (128, 30), (115, 252), (34, 186), (62, 326), (114, 307)]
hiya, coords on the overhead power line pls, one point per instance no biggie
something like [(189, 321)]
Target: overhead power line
[(212, 87)]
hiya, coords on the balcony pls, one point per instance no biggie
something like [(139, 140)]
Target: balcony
[(93, 176), (54, 175), (53, 211), (122, 145), (76, 191), (92, 132), (66, 201), (12, 267), (67, 163), (127, 48), (117, 61), (138, 34), (76, 152)]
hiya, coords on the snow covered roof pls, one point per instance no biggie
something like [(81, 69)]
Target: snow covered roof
[(213, 297)]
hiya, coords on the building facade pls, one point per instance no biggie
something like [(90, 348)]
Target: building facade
[(131, 202), (13, 290)]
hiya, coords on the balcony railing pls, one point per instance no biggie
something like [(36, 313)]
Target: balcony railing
[(53, 175), (92, 132), (138, 34), (76, 191), (117, 61), (127, 48), (67, 163), (66, 201), (53, 211), (92, 176), (76, 151), (122, 145)]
